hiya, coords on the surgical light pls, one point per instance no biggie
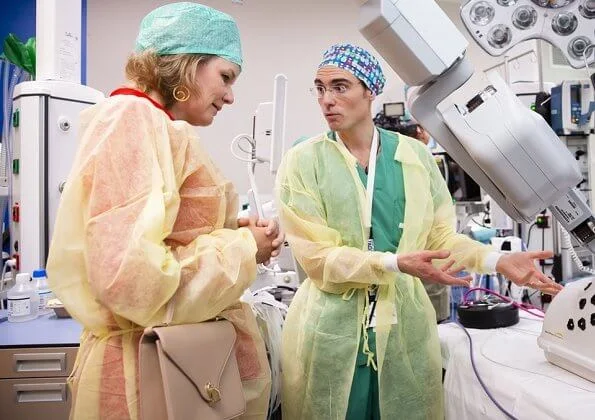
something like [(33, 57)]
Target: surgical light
[(552, 4), (587, 9), (499, 36), (482, 13), (564, 23), (577, 47), (524, 17), (499, 25)]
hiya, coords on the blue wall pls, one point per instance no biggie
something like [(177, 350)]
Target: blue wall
[(19, 19)]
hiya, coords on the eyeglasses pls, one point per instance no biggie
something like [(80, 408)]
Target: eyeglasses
[(336, 90)]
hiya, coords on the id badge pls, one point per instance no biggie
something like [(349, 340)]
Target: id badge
[(372, 298), (371, 244), (394, 320), (371, 315)]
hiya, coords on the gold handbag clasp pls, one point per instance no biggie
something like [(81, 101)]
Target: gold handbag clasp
[(213, 394)]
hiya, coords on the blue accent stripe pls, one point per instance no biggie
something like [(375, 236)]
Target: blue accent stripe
[(84, 42)]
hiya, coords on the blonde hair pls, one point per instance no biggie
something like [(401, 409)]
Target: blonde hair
[(163, 73)]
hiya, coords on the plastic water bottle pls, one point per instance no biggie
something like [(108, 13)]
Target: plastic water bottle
[(42, 287), (23, 301)]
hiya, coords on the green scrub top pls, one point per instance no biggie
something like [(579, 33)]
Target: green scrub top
[(388, 207)]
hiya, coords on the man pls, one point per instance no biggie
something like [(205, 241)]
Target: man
[(360, 340)]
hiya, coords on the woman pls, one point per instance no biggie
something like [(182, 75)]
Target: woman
[(147, 223)]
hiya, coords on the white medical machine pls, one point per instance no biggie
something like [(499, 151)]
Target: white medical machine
[(509, 150), (568, 335), (268, 133), (45, 142)]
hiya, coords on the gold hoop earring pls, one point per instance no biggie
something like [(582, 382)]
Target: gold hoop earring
[(181, 94)]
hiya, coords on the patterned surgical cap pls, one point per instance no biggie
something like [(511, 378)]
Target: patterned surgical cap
[(358, 62)]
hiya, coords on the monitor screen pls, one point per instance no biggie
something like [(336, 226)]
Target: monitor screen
[(460, 185), (394, 109)]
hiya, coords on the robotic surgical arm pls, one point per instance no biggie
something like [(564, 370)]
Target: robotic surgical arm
[(509, 150)]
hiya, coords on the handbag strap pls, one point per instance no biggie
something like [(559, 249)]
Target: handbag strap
[(169, 314)]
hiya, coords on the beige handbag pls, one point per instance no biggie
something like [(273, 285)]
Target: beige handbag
[(190, 372)]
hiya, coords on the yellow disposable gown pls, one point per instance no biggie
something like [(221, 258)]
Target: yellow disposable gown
[(321, 207), (147, 219)]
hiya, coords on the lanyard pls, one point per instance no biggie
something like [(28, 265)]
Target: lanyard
[(370, 183), (136, 92), (372, 291), (371, 177)]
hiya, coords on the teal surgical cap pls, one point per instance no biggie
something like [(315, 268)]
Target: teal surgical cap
[(190, 28)]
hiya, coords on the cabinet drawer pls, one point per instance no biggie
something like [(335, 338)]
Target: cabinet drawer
[(43, 362), (40, 398)]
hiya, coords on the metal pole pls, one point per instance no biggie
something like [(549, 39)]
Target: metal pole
[(540, 64), (555, 239), (506, 70)]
